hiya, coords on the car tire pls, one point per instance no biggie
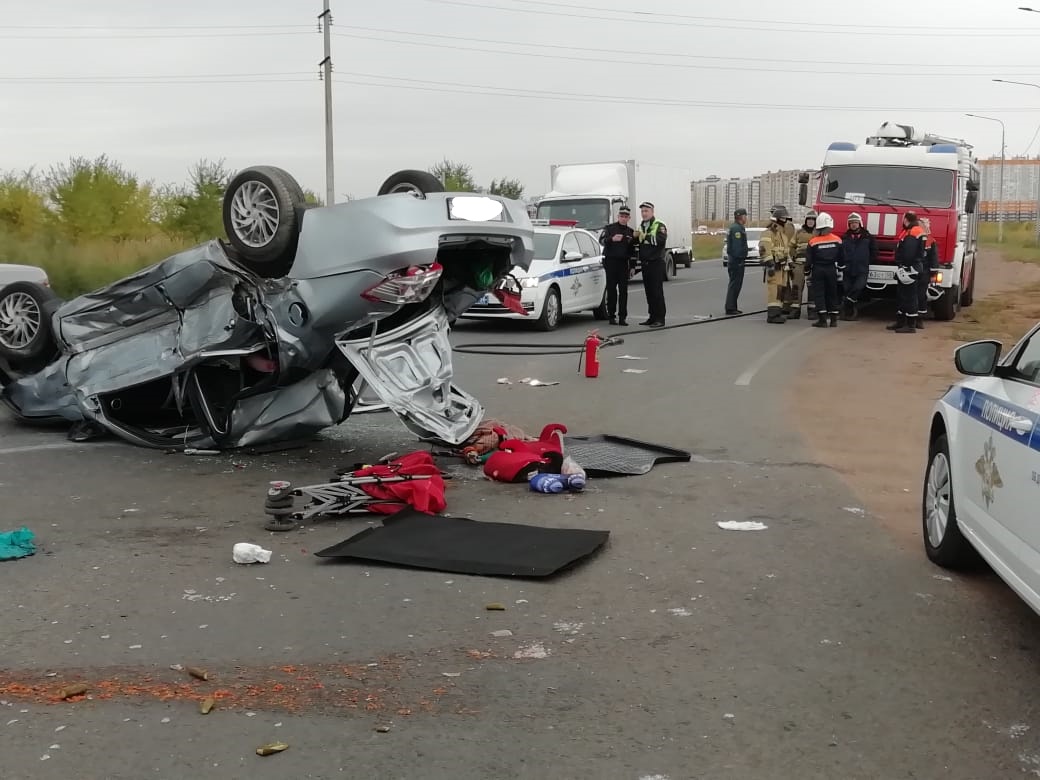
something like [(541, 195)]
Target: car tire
[(944, 544), (262, 213), (417, 183), (669, 267), (600, 312), (552, 310), (25, 321)]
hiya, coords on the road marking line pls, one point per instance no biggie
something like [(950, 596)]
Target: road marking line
[(71, 445), (745, 379), (691, 281)]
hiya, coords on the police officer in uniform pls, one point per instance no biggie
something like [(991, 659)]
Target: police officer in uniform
[(798, 247), (774, 247), (652, 238), (618, 240), (825, 260), (736, 250), (910, 254)]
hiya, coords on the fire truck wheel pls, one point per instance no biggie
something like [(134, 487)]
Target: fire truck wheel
[(946, 307), (968, 296)]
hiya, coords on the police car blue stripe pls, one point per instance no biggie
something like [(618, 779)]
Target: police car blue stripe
[(998, 414), (564, 272)]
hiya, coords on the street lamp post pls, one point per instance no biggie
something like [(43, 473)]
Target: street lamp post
[(1000, 199), (1036, 225)]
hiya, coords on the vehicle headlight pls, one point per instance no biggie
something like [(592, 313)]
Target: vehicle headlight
[(529, 282)]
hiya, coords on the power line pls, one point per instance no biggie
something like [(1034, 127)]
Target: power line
[(824, 25), (642, 63), (156, 35), (490, 91), (154, 26), (599, 50), (117, 81), (745, 26)]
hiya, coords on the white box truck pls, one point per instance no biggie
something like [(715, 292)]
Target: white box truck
[(590, 194)]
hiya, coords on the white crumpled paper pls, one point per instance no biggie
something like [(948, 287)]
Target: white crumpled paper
[(244, 552)]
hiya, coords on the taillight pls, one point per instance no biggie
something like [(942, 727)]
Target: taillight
[(409, 286)]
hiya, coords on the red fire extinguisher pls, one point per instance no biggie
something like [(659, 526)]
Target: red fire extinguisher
[(592, 355)]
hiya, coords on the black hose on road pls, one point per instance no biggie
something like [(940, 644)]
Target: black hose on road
[(534, 348)]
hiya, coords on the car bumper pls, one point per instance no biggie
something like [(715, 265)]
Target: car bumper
[(489, 307)]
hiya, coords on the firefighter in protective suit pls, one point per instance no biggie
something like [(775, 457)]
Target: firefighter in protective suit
[(798, 246), (775, 250)]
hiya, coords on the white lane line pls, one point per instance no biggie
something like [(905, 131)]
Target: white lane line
[(745, 379), (691, 281), (71, 445)]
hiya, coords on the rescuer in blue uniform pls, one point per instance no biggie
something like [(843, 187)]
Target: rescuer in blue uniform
[(824, 258)]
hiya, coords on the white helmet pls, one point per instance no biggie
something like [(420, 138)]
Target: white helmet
[(906, 275), (825, 221)]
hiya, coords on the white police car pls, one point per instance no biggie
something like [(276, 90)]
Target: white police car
[(565, 277), (982, 484)]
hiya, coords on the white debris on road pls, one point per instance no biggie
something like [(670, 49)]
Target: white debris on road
[(741, 525), (536, 650)]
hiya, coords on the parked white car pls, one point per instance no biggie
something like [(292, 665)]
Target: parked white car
[(566, 277), (754, 235), (20, 315), (9, 272), (982, 484)]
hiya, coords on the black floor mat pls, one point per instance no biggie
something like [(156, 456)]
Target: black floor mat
[(462, 546), (605, 455)]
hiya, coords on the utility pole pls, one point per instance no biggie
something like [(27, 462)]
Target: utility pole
[(325, 24)]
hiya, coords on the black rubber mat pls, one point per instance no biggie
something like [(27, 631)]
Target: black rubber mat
[(462, 546), (605, 455)]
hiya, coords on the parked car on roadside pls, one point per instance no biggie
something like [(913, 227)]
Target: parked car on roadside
[(982, 482), (754, 236), (19, 313), (566, 277)]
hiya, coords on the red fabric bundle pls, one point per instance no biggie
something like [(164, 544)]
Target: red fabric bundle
[(516, 460), (425, 495)]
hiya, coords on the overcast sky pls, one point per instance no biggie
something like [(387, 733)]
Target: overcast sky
[(508, 86)]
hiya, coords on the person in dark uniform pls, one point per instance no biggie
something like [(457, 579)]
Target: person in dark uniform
[(860, 253), (618, 241), (911, 251), (824, 258), (929, 265), (652, 236), (736, 251)]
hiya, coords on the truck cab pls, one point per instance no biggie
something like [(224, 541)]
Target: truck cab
[(899, 170)]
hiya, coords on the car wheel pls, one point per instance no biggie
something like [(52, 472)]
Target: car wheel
[(415, 182), (262, 208), (600, 312), (25, 321), (552, 311), (944, 544)]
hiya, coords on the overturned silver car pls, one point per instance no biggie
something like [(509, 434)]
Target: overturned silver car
[(274, 334)]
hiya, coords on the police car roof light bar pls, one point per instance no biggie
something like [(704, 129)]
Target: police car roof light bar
[(564, 222)]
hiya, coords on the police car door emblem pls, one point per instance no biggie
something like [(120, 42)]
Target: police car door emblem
[(986, 466), (576, 285)]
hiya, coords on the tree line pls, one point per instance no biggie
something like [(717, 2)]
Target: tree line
[(98, 199)]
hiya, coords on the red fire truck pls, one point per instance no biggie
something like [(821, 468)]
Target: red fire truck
[(899, 170)]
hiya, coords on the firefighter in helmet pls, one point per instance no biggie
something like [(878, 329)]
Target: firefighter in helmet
[(911, 252), (775, 250), (798, 281)]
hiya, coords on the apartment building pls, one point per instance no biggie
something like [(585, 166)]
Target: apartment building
[(714, 199), (1021, 189)]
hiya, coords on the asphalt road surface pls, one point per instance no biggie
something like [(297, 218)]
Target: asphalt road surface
[(814, 648)]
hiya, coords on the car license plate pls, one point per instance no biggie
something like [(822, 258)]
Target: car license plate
[(486, 300), (880, 276)]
